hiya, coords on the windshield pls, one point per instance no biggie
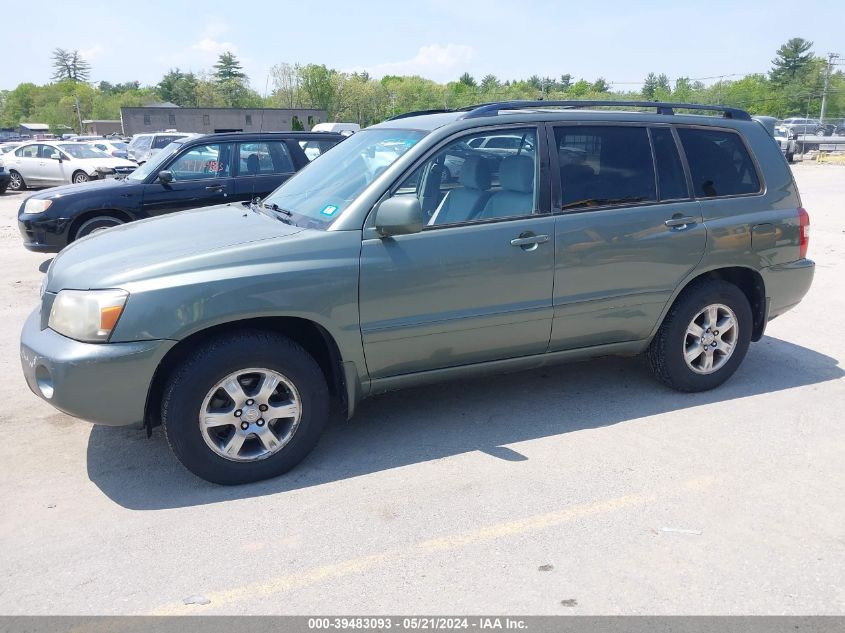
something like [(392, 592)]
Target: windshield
[(154, 165), (318, 194), (82, 150)]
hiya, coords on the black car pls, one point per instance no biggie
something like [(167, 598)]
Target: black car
[(191, 172), (5, 177)]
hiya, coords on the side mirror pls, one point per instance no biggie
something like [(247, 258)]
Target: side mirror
[(56, 156), (399, 215), (165, 176)]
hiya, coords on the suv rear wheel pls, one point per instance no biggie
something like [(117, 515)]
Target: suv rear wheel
[(245, 407), (703, 338)]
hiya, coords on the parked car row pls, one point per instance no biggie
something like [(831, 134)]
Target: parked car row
[(51, 163), (566, 235)]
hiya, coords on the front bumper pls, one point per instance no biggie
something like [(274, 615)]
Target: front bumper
[(786, 285), (5, 178), (104, 383), (43, 235)]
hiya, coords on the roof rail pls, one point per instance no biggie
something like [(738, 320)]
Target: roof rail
[(491, 109), (405, 115)]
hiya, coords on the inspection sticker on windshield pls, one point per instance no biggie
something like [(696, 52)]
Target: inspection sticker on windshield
[(329, 209)]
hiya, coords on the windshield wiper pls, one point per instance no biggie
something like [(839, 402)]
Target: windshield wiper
[(274, 207), (282, 214)]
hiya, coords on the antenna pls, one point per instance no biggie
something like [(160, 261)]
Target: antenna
[(260, 132)]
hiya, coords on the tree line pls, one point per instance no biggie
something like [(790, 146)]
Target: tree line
[(792, 87)]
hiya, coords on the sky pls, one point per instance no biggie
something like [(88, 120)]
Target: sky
[(621, 41)]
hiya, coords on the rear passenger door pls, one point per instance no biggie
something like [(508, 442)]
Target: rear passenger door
[(627, 231), (260, 167)]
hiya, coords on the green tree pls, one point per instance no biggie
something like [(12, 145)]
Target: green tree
[(649, 86), (320, 88), (467, 80), (790, 60), (228, 68), (489, 83), (69, 65), (600, 85), (178, 87), (565, 81)]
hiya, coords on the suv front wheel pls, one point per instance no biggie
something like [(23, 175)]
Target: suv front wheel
[(245, 407), (703, 338)]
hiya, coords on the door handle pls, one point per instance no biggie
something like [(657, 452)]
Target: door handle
[(214, 188), (529, 242), (680, 222)]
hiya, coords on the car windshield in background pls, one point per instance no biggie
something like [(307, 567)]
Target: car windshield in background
[(163, 141), (79, 150), (156, 161), (317, 195)]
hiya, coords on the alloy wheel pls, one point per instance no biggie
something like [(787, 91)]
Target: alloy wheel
[(710, 339), (250, 414)]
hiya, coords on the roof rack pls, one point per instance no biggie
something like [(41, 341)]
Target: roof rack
[(405, 115), (491, 109)]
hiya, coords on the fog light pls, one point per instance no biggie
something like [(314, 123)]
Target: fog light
[(44, 381)]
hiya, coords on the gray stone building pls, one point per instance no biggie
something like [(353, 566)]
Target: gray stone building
[(208, 120)]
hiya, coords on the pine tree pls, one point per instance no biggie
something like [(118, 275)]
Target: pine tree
[(791, 58), (228, 67)]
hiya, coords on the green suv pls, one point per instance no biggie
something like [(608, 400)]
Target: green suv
[(559, 233)]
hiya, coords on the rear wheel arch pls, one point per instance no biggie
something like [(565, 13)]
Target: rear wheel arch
[(748, 280), (309, 335)]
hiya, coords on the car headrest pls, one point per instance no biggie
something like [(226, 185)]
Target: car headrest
[(475, 174), (253, 166), (517, 173)]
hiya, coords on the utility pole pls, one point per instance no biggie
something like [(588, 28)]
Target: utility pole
[(831, 57), (78, 113)]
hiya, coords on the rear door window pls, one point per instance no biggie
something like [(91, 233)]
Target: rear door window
[(719, 163), (265, 157), (671, 180), (604, 165)]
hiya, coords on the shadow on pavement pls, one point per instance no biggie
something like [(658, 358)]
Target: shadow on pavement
[(433, 422)]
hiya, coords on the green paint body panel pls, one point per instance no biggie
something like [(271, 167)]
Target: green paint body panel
[(442, 303)]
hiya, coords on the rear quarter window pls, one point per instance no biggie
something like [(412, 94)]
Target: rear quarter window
[(719, 163)]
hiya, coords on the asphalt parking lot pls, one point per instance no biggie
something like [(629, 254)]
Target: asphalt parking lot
[(579, 489)]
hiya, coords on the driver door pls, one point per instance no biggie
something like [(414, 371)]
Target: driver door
[(475, 284), (202, 176)]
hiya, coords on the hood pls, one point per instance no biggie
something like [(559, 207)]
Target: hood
[(148, 248), (80, 189)]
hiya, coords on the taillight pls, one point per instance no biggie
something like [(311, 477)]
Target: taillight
[(804, 234)]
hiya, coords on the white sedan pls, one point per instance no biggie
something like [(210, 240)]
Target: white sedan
[(48, 163)]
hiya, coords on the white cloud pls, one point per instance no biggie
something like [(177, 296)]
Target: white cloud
[(433, 61), (213, 47), (92, 53)]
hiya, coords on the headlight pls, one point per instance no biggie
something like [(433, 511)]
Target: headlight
[(87, 315), (36, 206)]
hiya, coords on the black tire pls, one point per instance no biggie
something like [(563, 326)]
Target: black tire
[(17, 183), (665, 355), (189, 384), (94, 224), (79, 177), (3, 190)]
